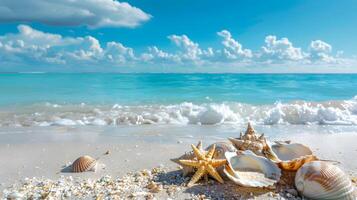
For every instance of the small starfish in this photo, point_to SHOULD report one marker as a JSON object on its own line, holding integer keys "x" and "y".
{"x": 186, "y": 170}
{"x": 205, "y": 164}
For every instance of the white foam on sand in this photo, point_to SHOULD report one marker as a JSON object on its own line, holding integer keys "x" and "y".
{"x": 299, "y": 112}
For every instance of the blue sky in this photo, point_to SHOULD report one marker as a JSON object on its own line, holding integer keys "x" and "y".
{"x": 179, "y": 36}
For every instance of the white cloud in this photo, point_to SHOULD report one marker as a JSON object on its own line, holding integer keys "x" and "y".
{"x": 118, "y": 53}
{"x": 156, "y": 55}
{"x": 277, "y": 50}
{"x": 31, "y": 47}
{"x": 233, "y": 49}
{"x": 320, "y": 51}
{"x": 91, "y": 13}
{"x": 190, "y": 51}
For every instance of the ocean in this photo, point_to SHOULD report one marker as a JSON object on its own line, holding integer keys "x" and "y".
{"x": 100, "y": 99}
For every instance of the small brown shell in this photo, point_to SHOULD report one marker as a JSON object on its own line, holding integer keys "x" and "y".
{"x": 83, "y": 164}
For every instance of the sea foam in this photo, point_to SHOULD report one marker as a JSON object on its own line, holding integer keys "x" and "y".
{"x": 298, "y": 112}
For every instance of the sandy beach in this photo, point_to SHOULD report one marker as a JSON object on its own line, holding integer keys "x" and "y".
{"x": 45, "y": 152}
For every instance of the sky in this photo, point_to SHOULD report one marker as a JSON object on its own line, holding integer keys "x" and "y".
{"x": 270, "y": 36}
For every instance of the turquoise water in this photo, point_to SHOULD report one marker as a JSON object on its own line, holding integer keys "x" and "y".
{"x": 138, "y": 89}
{"x": 203, "y": 99}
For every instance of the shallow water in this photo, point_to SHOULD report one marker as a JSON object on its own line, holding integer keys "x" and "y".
{"x": 184, "y": 99}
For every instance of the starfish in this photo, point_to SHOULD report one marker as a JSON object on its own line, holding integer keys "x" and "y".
{"x": 186, "y": 170}
{"x": 205, "y": 164}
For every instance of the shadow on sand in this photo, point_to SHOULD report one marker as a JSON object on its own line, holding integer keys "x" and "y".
{"x": 211, "y": 189}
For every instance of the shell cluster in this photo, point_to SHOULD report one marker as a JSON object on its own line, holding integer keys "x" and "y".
{"x": 253, "y": 161}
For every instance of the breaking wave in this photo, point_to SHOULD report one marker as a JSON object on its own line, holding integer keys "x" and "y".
{"x": 298, "y": 112}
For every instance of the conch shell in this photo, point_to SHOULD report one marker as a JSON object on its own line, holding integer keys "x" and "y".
{"x": 289, "y": 156}
{"x": 323, "y": 180}
{"x": 250, "y": 141}
{"x": 83, "y": 164}
{"x": 250, "y": 170}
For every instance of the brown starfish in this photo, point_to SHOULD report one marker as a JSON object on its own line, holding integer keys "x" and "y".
{"x": 205, "y": 164}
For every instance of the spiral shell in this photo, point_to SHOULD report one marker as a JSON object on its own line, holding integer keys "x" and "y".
{"x": 83, "y": 164}
{"x": 323, "y": 180}
{"x": 250, "y": 140}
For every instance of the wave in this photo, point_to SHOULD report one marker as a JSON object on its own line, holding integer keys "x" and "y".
{"x": 298, "y": 112}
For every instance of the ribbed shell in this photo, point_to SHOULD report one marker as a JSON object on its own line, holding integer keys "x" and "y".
{"x": 83, "y": 164}
{"x": 323, "y": 180}
{"x": 264, "y": 172}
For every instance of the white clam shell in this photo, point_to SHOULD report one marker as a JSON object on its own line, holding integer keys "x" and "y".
{"x": 323, "y": 180}
{"x": 290, "y": 156}
{"x": 291, "y": 151}
{"x": 249, "y": 170}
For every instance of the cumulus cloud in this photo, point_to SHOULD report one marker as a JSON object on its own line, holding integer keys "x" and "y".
{"x": 280, "y": 50}
{"x": 156, "y": 55}
{"x": 190, "y": 51}
{"x": 232, "y": 48}
{"x": 31, "y": 47}
{"x": 91, "y": 13}
{"x": 320, "y": 51}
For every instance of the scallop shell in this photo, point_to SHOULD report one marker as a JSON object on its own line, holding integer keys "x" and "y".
{"x": 250, "y": 170}
{"x": 289, "y": 156}
{"x": 323, "y": 180}
{"x": 83, "y": 164}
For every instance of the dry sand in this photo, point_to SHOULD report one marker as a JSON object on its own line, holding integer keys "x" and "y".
{"x": 44, "y": 152}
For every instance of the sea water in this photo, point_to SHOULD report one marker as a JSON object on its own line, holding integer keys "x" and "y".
{"x": 97, "y": 99}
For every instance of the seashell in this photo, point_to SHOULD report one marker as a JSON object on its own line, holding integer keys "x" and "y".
{"x": 250, "y": 170}
{"x": 83, "y": 164}
{"x": 250, "y": 141}
{"x": 221, "y": 149}
{"x": 289, "y": 156}
{"x": 323, "y": 180}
